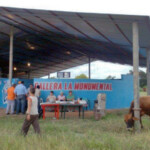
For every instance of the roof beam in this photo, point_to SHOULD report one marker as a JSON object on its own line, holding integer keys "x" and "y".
{"x": 101, "y": 34}
{"x": 119, "y": 29}
{"x": 76, "y": 29}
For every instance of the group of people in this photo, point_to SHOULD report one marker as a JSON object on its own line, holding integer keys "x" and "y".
{"x": 30, "y": 98}
{"x": 52, "y": 98}
{"x": 17, "y": 97}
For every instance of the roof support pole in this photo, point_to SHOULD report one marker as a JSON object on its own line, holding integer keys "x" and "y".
{"x": 11, "y": 56}
{"x": 135, "y": 31}
{"x": 89, "y": 68}
{"x": 148, "y": 70}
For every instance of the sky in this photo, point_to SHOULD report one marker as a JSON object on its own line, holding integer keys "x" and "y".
{"x": 133, "y": 7}
{"x": 99, "y": 69}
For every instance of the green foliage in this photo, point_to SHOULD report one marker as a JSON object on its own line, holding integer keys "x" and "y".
{"x": 130, "y": 72}
{"x": 142, "y": 76}
{"x": 52, "y": 77}
{"x": 81, "y": 76}
{"x": 143, "y": 83}
{"x": 110, "y": 77}
{"x": 74, "y": 134}
{"x": 143, "y": 79}
{"x": 143, "y": 93}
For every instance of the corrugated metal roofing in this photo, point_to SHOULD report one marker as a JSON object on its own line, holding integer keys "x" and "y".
{"x": 52, "y": 41}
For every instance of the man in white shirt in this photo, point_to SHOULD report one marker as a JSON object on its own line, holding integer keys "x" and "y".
{"x": 37, "y": 91}
{"x": 51, "y": 98}
{"x": 38, "y": 94}
{"x": 61, "y": 97}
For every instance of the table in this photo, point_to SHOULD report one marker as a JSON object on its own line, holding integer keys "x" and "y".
{"x": 56, "y": 108}
{"x": 64, "y": 107}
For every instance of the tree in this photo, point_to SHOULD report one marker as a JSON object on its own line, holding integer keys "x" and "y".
{"x": 130, "y": 72}
{"x": 81, "y": 76}
{"x": 142, "y": 77}
{"x": 110, "y": 77}
{"x": 52, "y": 77}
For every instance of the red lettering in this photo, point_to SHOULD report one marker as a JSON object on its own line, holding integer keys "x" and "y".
{"x": 60, "y": 86}
{"x": 81, "y": 86}
{"x": 55, "y": 86}
{"x": 35, "y": 85}
{"x": 50, "y": 86}
{"x": 89, "y": 86}
{"x": 41, "y": 86}
{"x": 70, "y": 86}
{"x": 110, "y": 87}
{"x": 107, "y": 86}
{"x": 85, "y": 86}
{"x": 76, "y": 86}
{"x": 104, "y": 86}
{"x": 46, "y": 86}
{"x": 93, "y": 86}
{"x": 101, "y": 86}
{"x": 65, "y": 86}
{"x": 96, "y": 86}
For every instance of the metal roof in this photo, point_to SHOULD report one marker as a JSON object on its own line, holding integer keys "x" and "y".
{"x": 52, "y": 41}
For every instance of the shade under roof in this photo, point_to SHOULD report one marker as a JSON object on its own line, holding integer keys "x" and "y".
{"x": 53, "y": 41}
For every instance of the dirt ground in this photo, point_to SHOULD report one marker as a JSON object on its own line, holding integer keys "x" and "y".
{"x": 88, "y": 114}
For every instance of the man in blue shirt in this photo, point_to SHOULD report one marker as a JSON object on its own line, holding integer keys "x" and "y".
{"x": 21, "y": 93}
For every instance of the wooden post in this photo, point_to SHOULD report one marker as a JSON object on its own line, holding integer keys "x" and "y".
{"x": 136, "y": 74}
{"x": 11, "y": 56}
{"x": 148, "y": 71}
{"x": 89, "y": 68}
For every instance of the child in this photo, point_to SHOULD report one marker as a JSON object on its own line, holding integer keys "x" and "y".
{"x": 32, "y": 114}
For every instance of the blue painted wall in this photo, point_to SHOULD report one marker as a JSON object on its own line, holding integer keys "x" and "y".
{"x": 119, "y": 97}
{"x": 4, "y": 84}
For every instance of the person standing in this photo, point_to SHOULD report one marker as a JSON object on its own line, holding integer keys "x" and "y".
{"x": 37, "y": 91}
{"x": 32, "y": 114}
{"x": 10, "y": 99}
{"x": 21, "y": 93}
{"x": 37, "y": 94}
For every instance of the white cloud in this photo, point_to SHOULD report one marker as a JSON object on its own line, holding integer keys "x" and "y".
{"x": 134, "y": 7}
{"x": 100, "y": 70}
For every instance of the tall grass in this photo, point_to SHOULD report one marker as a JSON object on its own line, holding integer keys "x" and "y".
{"x": 74, "y": 134}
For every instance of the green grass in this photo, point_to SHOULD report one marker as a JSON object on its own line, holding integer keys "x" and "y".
{"x": 142, "y": 93}
{"x": 74, "y": 134}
